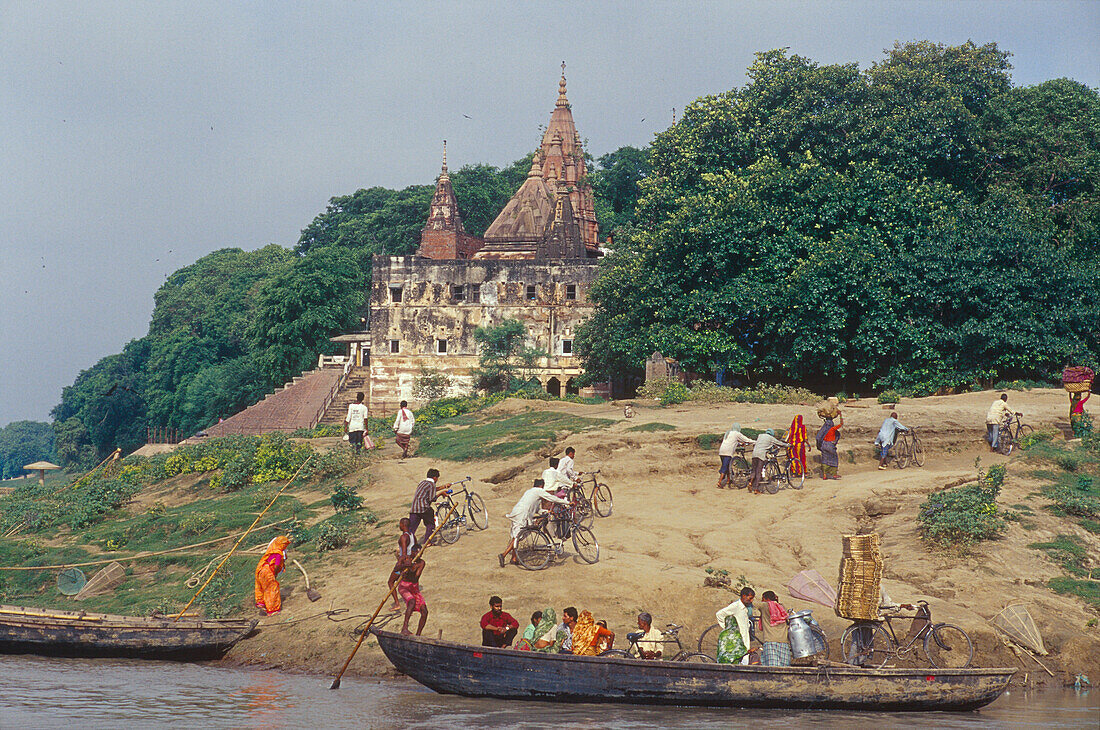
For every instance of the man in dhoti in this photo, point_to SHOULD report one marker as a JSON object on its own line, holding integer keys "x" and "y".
{"x": 533, "y": 501}
{"x": 403, "y": 428}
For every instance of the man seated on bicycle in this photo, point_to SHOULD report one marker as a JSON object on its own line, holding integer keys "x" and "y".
{"x": 652, "y": 641}
{"x": 565, "y": 465}
{"x": 534, "y": 500}
{"x": 887, "y": 435}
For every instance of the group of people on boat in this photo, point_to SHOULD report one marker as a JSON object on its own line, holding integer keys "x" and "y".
{"x": 744, "y": 621}
{"x": 578, "y": 632}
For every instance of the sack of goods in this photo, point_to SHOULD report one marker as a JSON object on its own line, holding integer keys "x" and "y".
{"x": 1077, "y": 379}
{"x": 827, "y": 409}
{"x": 860, "y": 584}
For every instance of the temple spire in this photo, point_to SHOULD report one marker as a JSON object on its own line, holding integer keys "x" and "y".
{"x": 562, "y": 100}
{"x": 444, "y": 175}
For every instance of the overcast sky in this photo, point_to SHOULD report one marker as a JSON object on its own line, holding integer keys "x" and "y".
{"x": 136, "y": 137}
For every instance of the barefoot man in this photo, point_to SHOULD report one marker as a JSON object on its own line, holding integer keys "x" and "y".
{"x": 409, "y": 588}
{"x": 406, "y": 548}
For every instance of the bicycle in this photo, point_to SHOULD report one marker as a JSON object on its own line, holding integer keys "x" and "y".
{"x": 1012, "y": 431}
{"x": 669, "y": 636}
{"x": 535, "y": 546}
{"x": 740, "y": 471}
{"x": 775, "y": 475}
{"x": 868, "y": 644}
{"x": 907, "y": 449}
{"x": 708, "y": 640}
{"x": 598, "y": 502}
{"x": 471, "y": 509}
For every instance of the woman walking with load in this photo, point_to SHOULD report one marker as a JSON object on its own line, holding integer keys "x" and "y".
{"x": 1077, "y": 412}
{"x": 270, "y": 565}
{"x": 827, "y": 439}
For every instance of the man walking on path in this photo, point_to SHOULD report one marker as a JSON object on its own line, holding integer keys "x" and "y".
{"x": 355, "y": 423}
{"x": 421, "y": 509}
{"x": 728, "y": 449}
{"x": 403, "y": 428}
{"x": 886, "y": 436}
{"x": 993, "y": 420}
{"x": 498, "y": 628}
{"x": 534, "y": 499}
{"x": 764, "y": 442}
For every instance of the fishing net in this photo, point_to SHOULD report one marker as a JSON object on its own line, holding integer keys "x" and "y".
{"x": 809, "y": 585}
{"x": 1017, "y": 624}
{"x": 102, "y": 582}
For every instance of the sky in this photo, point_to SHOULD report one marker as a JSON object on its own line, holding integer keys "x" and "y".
{"x": 136, "y": 137}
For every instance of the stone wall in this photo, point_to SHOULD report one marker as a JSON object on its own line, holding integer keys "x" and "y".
{"x": 424, "y": 313}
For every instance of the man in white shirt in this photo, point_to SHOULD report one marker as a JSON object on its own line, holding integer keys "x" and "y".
{"x": 523, "y": 514}
{"x": 355, "y": 423}
{"x": 764, "y": 442}
{"x": 728, "y": 449}
{"x": 652, "y": 642}
{"x": 403, "y": 428}
{"x": 739, "y": 609}
{"x": 553, "y": 477}
{"x": 565, "y": 466}
{"x": 993, "y": 420}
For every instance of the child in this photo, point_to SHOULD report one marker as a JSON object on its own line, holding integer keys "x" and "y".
{"x": 409, "y": 588}
{"x": 529, "y": 632}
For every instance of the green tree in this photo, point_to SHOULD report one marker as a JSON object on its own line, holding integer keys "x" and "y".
{"x": 22, "y": 443}
{"x": 71, "y": 444}
{"x": 503, "y": 356}
{"x": 615, "y": 186}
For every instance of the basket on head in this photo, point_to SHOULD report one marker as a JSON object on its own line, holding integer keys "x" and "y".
{"x": 1078, "y": 387}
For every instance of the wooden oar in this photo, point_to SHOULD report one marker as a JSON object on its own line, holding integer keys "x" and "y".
{"x": 389, "y": 593}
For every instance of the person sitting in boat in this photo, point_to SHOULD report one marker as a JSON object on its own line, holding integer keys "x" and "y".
{"x": 528, "y": 639}
{"x": 565, "y": 629}
{"x": 409, "y": 588}
{"x": 271, "y": 564}
{"x": 735, "y": 640}
{"x": 775, "y": 650}
{"x": 652, "y": 641}
{"x": 548, "y": 639}
{"x": 497, "y": 627}
{"x": 589, "y": 637}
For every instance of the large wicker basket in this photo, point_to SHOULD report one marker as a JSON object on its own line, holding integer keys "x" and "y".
{"x": 1078, "y": 387}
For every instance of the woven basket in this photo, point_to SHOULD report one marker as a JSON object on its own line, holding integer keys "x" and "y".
{"x": 1078, "y": 387}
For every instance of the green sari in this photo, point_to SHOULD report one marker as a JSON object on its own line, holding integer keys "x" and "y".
{"x": 546, "y": 625}
{"x": 731, "y": 648}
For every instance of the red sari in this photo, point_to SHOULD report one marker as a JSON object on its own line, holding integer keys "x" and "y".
{"x": 796, "y": 452}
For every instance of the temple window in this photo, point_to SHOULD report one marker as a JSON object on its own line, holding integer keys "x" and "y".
{"x": 475, "y": 292}
{"x": 395, "y": 347}
{"x": 531, "y": 295}
{"x": 567, "y": 347}
{"x": 571, "y": 291}
{"x": 441, "y": 347}
{"x": 395, "y": 294}
{"x": 458, "y": 292}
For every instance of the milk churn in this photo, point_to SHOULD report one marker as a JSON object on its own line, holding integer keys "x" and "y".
{"x": 803, "y": 640}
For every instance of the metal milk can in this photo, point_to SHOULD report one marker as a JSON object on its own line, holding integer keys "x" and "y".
{"x": 803, "y": 641}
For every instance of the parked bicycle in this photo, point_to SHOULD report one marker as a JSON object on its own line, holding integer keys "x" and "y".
{"x": 1013, "y": 429}
{"x": 907, "y": 449}
{"x": 597, "y": 501}
{"x": 669, "y": 636}
{"x": 873, "y": 643}
{"x": 471, "y": 511}
{"x": 539, "y": 543}
{"x": 708, "y": 640}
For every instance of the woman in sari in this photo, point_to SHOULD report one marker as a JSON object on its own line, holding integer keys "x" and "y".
{"x": 776, "y": 651}
{"x": 827, "y": 439}
{"x": 547, "y": 637}
{"x": 587, "y": 635}
{"x": 1077, "y": 412}
{"x": 731, "y": 646}
{"x": 270, "y": 565}
{"x": 796, "y": 452}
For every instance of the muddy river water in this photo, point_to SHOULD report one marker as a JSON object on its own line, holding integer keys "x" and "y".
{"x": 75, "y": 694}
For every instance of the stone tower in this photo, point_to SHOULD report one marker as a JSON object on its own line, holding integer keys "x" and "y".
{"x": 443, "y": 236}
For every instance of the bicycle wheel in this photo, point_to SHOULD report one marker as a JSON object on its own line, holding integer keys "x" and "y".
{"x": 918, "y": 452}
{"x": 478, "y": 514}
{"x": 772, "y": 475}
{"x": 615, "y": 652}
{"x": 695, "y": 657}
{"x": 901, "y": 453}
{"x": 1022, "y": 433}
{"x": 533, "y": 549}
{"x": 948, "y": 647}
{"x": 820, "y": 640}
{"x": 795, "y": 481}
{"x": 603, "y": 500}
{"x": 866, "y": 644}
{"x": 708, "y": 640}
{"x": 450, "y": 530}
{"x": 1007, "y": 444}
{"x": 584, "y": 542}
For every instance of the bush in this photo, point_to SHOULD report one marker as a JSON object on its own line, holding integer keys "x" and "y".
{"x": 889, "y": 396}
{"x": 964, "y": 515}
{"x": 321, "y": 430}
{"x": 1082, "y": 426}
{"x": 198, "y": 523}
{"x": 330, "y": 536}
{"x": 344, "y": 499}
{"x": 431, "y": 385}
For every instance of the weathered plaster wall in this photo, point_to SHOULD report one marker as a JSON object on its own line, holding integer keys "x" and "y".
{"x": 429, "y": 311}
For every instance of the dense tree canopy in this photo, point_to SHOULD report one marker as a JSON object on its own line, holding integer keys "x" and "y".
{"x": 853, "y": 229}
{"x": 22, "y": 443}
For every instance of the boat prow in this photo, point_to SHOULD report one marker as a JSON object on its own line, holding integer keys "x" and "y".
{"x": 478, "y": 671}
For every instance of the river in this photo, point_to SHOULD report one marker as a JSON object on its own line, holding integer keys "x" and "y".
{"x": 75, "y": 694}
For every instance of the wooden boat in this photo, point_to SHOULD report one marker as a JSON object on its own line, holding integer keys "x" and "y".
{"x": 477, "y": 671}
{"x": 79, "y": 633}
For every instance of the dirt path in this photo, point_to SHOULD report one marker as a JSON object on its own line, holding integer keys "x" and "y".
{"x": 670, "y": 522}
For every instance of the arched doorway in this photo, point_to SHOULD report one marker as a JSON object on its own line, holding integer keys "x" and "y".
{"x": 571, "y": 387}
{"x": 553, "y": 387}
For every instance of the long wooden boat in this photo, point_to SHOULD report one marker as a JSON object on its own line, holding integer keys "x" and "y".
{"x": 78, "y": 633}
{"x": 477, "y": 671}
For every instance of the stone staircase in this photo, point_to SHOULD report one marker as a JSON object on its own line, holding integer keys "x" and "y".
{"x": 338, "y": 409}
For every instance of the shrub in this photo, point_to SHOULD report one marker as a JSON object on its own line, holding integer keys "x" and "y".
{"x": 430, "y": 385}
{"x": 344, "y": 499}
{"x": 889, "y": 396}
{"x": 1082, "y": 426}
{"x": 709, "y": 441}
{"x": 964, "y": 515}
{"x": 197, "y": 523}
{"x": 321, "y": 430}
{"x": 330, "y": 536}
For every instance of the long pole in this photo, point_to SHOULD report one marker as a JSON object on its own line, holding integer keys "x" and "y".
{"x": 366, "y": 629}
{"x": 238, "y": 543}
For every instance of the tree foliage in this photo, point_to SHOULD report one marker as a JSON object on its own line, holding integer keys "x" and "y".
{"x": 22, "y": 443}
{"x": 844, "y": 229}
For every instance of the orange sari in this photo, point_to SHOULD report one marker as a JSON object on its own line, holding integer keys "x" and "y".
{"x": 270, "y": 565}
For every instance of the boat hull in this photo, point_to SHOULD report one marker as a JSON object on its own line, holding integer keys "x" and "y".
{"x": 81, "y": 634}
{"x": 472, "y": 671}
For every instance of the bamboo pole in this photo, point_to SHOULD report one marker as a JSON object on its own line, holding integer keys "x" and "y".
{"x": 366, "y": 629}
{"x": 238, "y": 543}
{"x": 35, "y": 614}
